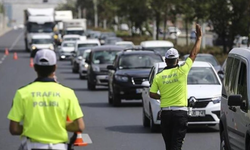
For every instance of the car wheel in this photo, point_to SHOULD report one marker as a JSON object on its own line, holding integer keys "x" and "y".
{"x": 91, "y": 86}
{"x": 110, "y": 96}
{"x": 116, "y": 99}
{"x": 146, "y": 121}
{"x": 223, "y": 145}
{"x": 153, "y": 126}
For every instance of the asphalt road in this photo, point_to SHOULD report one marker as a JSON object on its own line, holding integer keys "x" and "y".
{"x": 108, "y": 127}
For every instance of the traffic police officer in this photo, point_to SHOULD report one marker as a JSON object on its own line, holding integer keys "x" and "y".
{"x": 172, "y": 85}
{"x": 43, "y": 106}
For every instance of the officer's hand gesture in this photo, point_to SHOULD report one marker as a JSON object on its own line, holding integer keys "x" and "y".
{"x": 198, "y": 31}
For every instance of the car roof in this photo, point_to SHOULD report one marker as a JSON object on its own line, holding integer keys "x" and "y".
{"x": 243, "y": 52}
{"x": 87, "y": 41}
{"x": 156, "y": 43}
{"x": 200, "y": 54}
{"x": 195, "y": 64}
{"x": 124, "y": 42}
{"x": 71, "y": 36}
{"x": 40, "y": 36}
{"x": 68, "y": 42}
{"x": 108, "y": 47}
{"x": 130, "y": 52}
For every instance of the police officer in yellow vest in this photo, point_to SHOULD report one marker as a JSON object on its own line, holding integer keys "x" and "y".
{"x": 172, "y": 85}
{"x": 40, "y": 109}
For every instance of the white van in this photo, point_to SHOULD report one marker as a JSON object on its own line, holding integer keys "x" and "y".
{"x": 235, "y": 101}
{"x": 159, "y": 46}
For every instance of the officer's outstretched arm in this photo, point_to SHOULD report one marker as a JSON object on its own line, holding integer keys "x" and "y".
{"x": 76, "y": 125}
{"x": 197, "y": 44}
{"x": 15, "y": 128}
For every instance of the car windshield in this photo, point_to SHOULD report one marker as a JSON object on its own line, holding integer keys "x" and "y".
{"x": 209, "y": 59}
{"x": 201, "y": 75}
{"x": 104, "y": 57}
{"x": 71, "y": 39}
{"x": 138, "y": 61}
{"x": 87, "y": 45}
{"x": 76, "y": 32}
{"x": 85, "y": 54}
{"x": 68, "y": 45}
{"x": 41, "y": 41}
{"x": 81, "y": 51}
{"x": 160, "y": 50}
{"x": 126, "y": 45}
{"x": 244, "y": 41}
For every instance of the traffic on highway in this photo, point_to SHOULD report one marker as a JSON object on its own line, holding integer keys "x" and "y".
{"x": 67, "y": 85}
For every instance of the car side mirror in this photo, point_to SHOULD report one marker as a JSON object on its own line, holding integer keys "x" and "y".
{"x": 145, "y": 84}
{"x": 111, "y": 67}
{"x": 79, "y": 57}
{"x": 235, "y": 100}
{"x": 221, "y": 72}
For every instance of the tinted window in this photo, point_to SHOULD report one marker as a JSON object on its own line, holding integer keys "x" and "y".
{"x": 233, "y": 76}
{"x": 138, "y": 61}
{"x": 87, "y": 45}
{"x": 75, "y": 32}
{"x": 151, "y": 75}
{"x": 242, "y": 85}
{"x": 104, "y": 57}
{"x": 41, "y": 41}
{"x": 228, "y": 72}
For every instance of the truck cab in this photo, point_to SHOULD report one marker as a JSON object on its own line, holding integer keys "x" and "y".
{"x": 75, "y": 26}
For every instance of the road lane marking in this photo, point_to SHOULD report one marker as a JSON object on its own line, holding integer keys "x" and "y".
{"x": 12, "y": 46}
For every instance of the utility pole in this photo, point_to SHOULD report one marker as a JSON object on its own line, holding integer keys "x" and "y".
{"x": 96, "y": 13}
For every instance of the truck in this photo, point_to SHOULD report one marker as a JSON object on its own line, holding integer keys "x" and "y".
{"x": 61, "y": 16}
{"x": 38, "y": 20}
{"x": 75, "y": 26}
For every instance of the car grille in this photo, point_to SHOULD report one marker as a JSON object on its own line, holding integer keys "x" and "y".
{"x": 137, "y": 80}
{"x": 201, "y": 103}
{"x": 198, "y": 119}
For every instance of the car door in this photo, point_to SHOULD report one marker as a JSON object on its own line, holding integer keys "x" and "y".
{"x": 241, "y": 115}
{"x": 232, "y": 70}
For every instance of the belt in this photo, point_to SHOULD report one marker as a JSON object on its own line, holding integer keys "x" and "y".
{"x": 175, "y": 108}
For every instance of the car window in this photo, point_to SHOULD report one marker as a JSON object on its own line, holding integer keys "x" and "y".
{"x": 85, "y": 54}
{"x": 242, "y": 86}
{"x": 209, "y": 59}
{"x": 232, "y": 82}
{"x": 228, "y": 73}
{"x": 87, "y": 45}
{"x": 160, "y": 50}
{"x": 104, "y": 57}
{"x": 202, "y": 75}
{"x": 68, "y": 45}
{"x": 244, "y": 41}
{"x": 71, "y": 39}
{"x": 41, "y": 41}
{"x": 138, "y": 61}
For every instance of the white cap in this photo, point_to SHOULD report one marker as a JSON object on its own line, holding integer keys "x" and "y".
{"x": 45, "y": 57}
{"x": 171, "y": 54}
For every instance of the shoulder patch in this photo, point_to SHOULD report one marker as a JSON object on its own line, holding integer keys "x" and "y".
{"x": 25, "y": 85}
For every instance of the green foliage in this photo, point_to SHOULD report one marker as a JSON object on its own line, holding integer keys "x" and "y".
{"x": 70, "y": 5}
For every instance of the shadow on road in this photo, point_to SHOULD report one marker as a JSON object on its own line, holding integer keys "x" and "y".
{"x": 106, "y": 104}
{"x": 202, "y": 129}
{"x": 99, "y": 105}
{"x": 130, "y": 129}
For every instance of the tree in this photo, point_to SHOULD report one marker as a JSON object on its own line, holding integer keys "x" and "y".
{"x": 70, "y": 5}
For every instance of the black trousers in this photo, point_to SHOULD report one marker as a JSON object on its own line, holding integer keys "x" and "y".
{"x": 174, "y": 128}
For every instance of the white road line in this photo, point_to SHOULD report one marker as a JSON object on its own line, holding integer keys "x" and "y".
{"x": 86, "y": 139}
{"x": 12, "y": 46}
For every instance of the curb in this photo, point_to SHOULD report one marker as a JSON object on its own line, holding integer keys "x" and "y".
{"x": 5, "y": 31}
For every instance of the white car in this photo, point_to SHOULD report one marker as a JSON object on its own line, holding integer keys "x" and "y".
{"x": 87, "y": 43}
{"x": 127, "y": 44}
{"x": 41, "y": 41}
{"x": 71, "y": 37}
{"x": 66, "y": 49}
{"x": 83, "y": 66}
{"x": 157, "y": 45}
{"x": 203, "y": 84}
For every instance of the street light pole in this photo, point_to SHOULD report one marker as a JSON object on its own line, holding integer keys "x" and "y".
{"x": 96, "y": 13}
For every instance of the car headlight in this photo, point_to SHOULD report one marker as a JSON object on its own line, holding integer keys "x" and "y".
{"x": 121, "y": 78}
{"x": 33, "y": 47}
{"x": 86, "y": 65}
{"x": 96, "y": 69}
{"x": 216, "y": 100}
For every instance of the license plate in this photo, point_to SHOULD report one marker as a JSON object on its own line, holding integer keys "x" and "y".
{"x": 198, "y": 113}
{"x": 138, "y": 90}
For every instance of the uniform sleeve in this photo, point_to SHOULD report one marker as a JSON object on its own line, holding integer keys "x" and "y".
{"x": 17, "y": 111}
{"x": 186, "y": 66}
{"x": 154, "y": 87}
{"x": 74, "y": 110}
